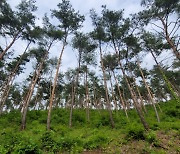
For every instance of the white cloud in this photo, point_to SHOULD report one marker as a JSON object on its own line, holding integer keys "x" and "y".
{"x": 44, "y": 6}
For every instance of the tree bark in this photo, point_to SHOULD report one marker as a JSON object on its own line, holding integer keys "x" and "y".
{"x": 87, "y": 95}
{"x": 31, "y": 90}
{"x": 149, "y": 91}
{"x": 72, "y": 103}
{"x": 112, "y": 91}
{"x": 74, "y": 91}
{"x": 166, "y": 79}
{"x": 9, "y": 46}
{"x": 54, "y": 87}
{"x": 106, "y": 89}
{"x": 120, "y": 95}
{"x": 10, "y": 80}
{"x": 23, "y": 122}
{"x": 140, "y": 114}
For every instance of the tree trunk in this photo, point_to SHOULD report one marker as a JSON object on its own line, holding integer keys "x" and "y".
{"x": 106, "y": 89}
{"x": 139, "y": 94}
{"x": 54, "y": 86}
{"x": 120, "y": 95}
{"x": 72, "y": 103}
{"x": 9, "y": 46}
{"x": 140, "y": 114}
{"x": 74, "y": 91}
{"x": 166, "y": 79}
{"x": 23, "y": 122}
{"x": 31, "y": 90}
{"x": 149, "y": 91}
{"x": 87, "y": 95}
{"x": 10, "y": 80}
{"x": 112, "y": 91}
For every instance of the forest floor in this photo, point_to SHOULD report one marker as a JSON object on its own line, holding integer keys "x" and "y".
{"x": 95, "y": 136}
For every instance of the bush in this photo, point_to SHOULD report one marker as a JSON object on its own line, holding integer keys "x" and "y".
{"x": 173, "y": 113}
{"x": 150, "y": 136}
{"x": 103, "y": 120}
{"x": 14, "y": 117}
{"x": 10, "y": 140}
{"x": 135, "y": 132}
{"x": 69, "y": 144}
{"x": 3, "y": 150}
{"x": 27, "y": 147}
{"x": 47, "y": 142}
{"x": 78, "y": 118}
{"x": 95, "y": 142}
{"x": 33, "y": 115}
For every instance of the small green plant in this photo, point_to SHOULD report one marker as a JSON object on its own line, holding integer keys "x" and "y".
{"x": 27, "y": 147}
{"x": 69, "y": 144}
{"x": 3, "y": 150}
{"x": 96, "y": 141}
{"x": 47, "y": 142}
{"x": 135, "y": 132}
{"x": 10, "y": 140}
{"x": 150, "y": 136}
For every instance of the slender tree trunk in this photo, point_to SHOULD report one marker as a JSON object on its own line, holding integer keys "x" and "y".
{"x": 135, "y": 100}
{"x": 87, "y": 95}
{"x": 126, "y": 103}
{"x": 9, "y": 46}
{"x": 74, "y": 91}
{"x": 136, "y": 87}
{"x": 10, "y": 80}
{"x": 31, "y": 90}
{"x": 140, "y": 114}
{"x": 28, "y": 92}
{"x": 72, "y": 103}
{"x": 149, "y": 91}
{"x": 36, "y": 97}
{"x": 23, "y": 122}
{"x": 139, "y": 94}
{"x": 166, "y": 79}
{"x": 120, "y": 95}
{"x": 106, "y": 88}
{"x": 54, "y": 87}
{"x": 112, "y": 91}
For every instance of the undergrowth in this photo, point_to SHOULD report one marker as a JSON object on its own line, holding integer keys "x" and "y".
{"x": 96, "y": 134}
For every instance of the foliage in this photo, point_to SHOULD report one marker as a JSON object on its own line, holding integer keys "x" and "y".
{"x": 97, "y": 134}
{"x": 135, "y": 132}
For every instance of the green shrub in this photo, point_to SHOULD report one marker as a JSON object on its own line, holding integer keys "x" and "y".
{"x": 27, "y": 147}
{"x": 68, "y": 144}
{"x": 62, "y": 130}
{"x": 10, "y": 140}
{"x": 14, "y": 117}
{"x": 150, "y": 136}
{"x": 3, "y": 150}
{"x": 96, "y": 141}
{"x": 103, "y": 120}
{"x": 78, "y": 118}
{"x": 173, "y": 113}
{"x": 33, "y": 115}
{"x": 135, "y": 132}
{"x": 47, "y": 142}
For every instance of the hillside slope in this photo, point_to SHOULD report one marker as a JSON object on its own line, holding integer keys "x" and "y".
{"x": 95, "y": 136}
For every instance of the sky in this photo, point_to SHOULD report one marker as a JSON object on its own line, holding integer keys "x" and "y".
{"x": 83, "y": 6}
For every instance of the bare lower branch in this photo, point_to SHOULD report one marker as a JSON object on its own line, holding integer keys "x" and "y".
{"x": 157, "y": 26}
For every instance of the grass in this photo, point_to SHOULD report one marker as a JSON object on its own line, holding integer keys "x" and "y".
{"x": 126, "y": 137}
